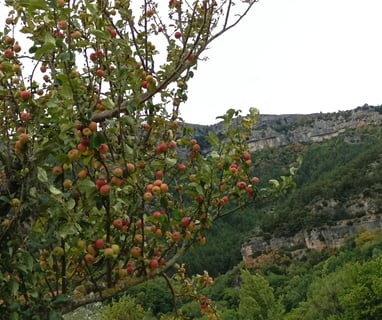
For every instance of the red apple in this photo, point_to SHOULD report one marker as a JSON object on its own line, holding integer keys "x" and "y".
{"x": 199, "y": 199}
{"x": 73, "y": 154}
{"x": 192, "y": 154}
{"x": 178, "y": 35}
{"x": 16, "y": 48}
{"x": 144, "y": 84}
{"x": 148, "y": 196}
{"x": 82, "y": 174}
{"x": 81, "y": 147}
{"x": 117, "y": 181}
{"x": 161, "y": 148}
{"x": 76, "y": 34}
{"x": 130, "y": 167}
{"x": 157, "y": 182}
{"x": 159, "y": 174}
{"x": 241, "y": 185}
{"x": 113, "y": 33}
{"x": 196, "y": 147}
{"x": 185, "y": 222}
{"x": 156, "y": 190}
{"x": 8, "y": 53}
{"x": 63, "y": 24}
{"x": 164, "y": 188}
{"x": 57, "y": 170}
{"x": 233, "y": 168}
{"x": 104, "y": 190}
{"x": 89, "y": 259}
{"x": 25, "y": 116}
{"x": 118, "y": 223}
{"x": 156, "y": 214}
{"x": 130, "y": 267}
{"x": 98, "y": 244}
{"x": 154, "y": 264}
{"x": 136, "y": 252}
{"x": 182, "y": 167}
{"x": 172, "y": 145}
{"x": 93, "y": 126}
{"x": 25, "y": 94}
{"x": 255, "y": 180}
{"x": 8, "y": 40}
{"x": 118, "y": 172}
{"x": 176, "y": 236}
{"x": 100, "y": 183}
{"x": 103, "y": 149}
{"x": 100, "y": 73}
{"x": 247, "y": 156}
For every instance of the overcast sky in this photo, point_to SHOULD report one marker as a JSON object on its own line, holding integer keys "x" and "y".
{"x": 293, "y": 56}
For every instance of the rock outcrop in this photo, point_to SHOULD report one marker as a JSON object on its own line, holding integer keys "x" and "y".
{"x": 282, "y": 130}
{"x": 318, "y": 239}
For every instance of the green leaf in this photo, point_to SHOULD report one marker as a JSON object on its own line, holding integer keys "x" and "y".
{"x": 108, "y": 103}
{"x": 66, "y": 91}
{"x": 101, "y": 34}
{"x": 177, "y": 215}
{"x": 54, "y": 190}
{"x": 66, "y": 56}
{"x": 85, "y": 185}
{"x": 213, "y": 140}
{"x": 274, "y": 183}
{"x": 41, "y": 175}
{"x": 170, "y": 161}
{"x": 67, "y": 230}
{"x": 34, "y": 4}
{"x": 46, "y": 47}
{"x": 14, "y": 287}
{"x": 53, "y": 315}
{"x": 60, "y": 298}
{"x": 96, "y": 140}
{"x": 164, "y": 202}
{"x": 197, "y": 186}
{"x": 71, "y": 204}
{"x": 129, "y": 150}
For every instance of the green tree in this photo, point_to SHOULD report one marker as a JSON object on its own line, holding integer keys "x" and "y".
{"x": 352, "y": 291}
{"x": 102, "y": 185}
{"x": 256, "y": 298}
{"x": 125, "y": 309}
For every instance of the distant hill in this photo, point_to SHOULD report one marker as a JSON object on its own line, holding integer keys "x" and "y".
{"x": 338, "y": 186}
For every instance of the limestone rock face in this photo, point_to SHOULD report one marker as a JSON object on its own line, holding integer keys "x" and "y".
{"x": 318, "y": 239}
{"x": 282, "y": 130}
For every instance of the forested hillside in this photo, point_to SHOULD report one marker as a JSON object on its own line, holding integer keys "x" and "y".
{"x": 339, "y": 182}
{"x": 343, "y": 171}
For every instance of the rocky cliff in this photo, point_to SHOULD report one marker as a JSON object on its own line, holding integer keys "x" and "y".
{"x": 282, "y": 130}
{"x": 318, "y": 239}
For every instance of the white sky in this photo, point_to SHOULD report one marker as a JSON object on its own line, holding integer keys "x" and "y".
{"x": 293, "y": 56}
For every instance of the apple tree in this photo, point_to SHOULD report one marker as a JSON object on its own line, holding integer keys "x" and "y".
{"x": 102, "y": 184}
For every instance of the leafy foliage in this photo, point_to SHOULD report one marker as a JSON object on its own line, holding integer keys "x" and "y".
{"x": 103, "y": 187}
{"x": 256, "y": 299}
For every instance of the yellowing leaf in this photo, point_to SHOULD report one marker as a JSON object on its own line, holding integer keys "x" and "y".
{"x": 41, "y": 175}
